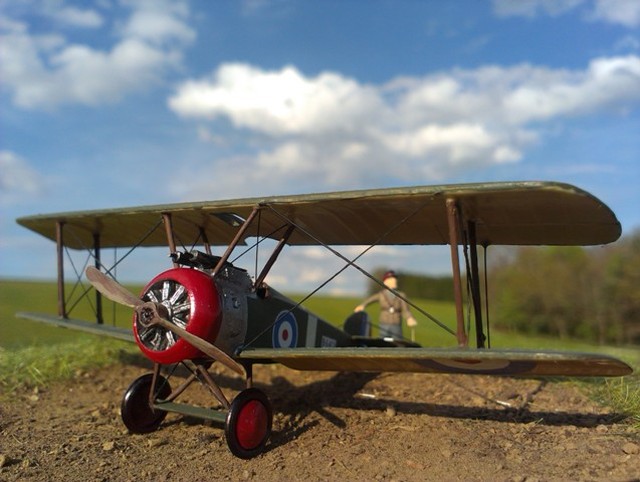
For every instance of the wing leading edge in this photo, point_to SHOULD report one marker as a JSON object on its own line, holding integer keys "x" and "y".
{"x": 443, "y": 360}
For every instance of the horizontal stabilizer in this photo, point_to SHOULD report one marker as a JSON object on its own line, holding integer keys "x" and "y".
{"x": 443, "y": 360}
{"x": 94, "y": 328}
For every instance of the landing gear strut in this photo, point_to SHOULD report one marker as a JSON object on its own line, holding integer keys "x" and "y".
{"x": 247, "y": 420}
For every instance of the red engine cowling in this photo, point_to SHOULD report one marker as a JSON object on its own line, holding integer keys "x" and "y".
{"x": 193, "y": 302}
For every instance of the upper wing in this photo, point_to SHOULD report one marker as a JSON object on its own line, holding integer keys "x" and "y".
{"x": 443, "y": 360}
{"x": 513, "y": 213}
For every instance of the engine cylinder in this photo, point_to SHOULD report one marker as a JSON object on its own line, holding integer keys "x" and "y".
{"x": 192, "y": 301}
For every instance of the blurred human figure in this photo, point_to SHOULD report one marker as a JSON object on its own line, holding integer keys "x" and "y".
{"x": 393, "y": 308}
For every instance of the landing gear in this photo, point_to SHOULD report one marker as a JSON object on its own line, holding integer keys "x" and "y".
{"x": 137, "y": 413}
{"x": 247, "y": 420}
{"x": 248, "y": 423}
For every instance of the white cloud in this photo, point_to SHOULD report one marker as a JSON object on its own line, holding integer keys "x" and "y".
{"x": 77, "y": 17}
{"x": 333, "y": 130}
{"x": 606, "y": 83}
{"x": 458, "y": 143}
{"x": 276, "y": 102}
{"x": 18, "y": 179}
{"x": 623, "y": 12}
{"x": 158, "y": 21}
{"x": 59, "y": 13}
{"x": 619, "y": 12}
{"x": 533, "y": 8}
{"x": 43, "y": 70}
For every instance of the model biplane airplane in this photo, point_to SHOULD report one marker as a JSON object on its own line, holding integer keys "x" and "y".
{"x": 206, "y": 309}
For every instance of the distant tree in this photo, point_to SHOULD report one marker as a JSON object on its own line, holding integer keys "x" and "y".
{"x": 621, "y": 291}
{"x": 544, "y": 290}
{"x": 586, "y": 293}
{"x": 590, "y": 293}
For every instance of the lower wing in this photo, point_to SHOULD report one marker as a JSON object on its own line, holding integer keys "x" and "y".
{"x": 426, "y": 360}
{"x": 125, "y": 334}
{"x": 443, "y": 360}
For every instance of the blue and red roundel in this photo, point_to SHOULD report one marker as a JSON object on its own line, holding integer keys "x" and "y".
{"x": 285, "y": 330}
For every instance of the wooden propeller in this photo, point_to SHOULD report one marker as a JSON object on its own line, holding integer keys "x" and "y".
{"x": 150, "y": 313}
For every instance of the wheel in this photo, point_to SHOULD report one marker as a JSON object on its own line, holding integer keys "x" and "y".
{"x": 135, "y": 410}
{"x": 248, "y": 424}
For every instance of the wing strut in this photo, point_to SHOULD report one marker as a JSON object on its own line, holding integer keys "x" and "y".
{"x": 238, "y": 237}
{"x": 453, "y": 218}
{"x": 62, "y": 309}
{"x": 168, "y": 227}
{"x": 205, "y": 240}
{"x": 97, "y": 264}
{"x": 475, "y": 283}
{"x": 274, "y": 256}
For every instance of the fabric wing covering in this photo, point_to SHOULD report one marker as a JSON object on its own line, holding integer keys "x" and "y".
{"x": 512, "y": 213}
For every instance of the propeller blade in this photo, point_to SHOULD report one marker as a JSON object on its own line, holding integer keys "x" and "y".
{"x": 149, "y": 314}
{"x": 111, "y": 288}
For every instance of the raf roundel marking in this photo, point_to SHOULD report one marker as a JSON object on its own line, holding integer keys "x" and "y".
{"x": 285, "y": 330}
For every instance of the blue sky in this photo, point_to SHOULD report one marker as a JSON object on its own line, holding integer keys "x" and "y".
{"x": 121, "y": 102}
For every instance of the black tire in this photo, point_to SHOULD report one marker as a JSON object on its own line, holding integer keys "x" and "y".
{"x": 137, "y": 414}
{"x": 248, "y": 424}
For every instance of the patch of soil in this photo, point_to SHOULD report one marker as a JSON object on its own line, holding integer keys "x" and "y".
{"x": 327, "y": 426}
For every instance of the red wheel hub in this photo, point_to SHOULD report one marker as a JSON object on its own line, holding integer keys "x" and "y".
{"x": 252, "y": 425}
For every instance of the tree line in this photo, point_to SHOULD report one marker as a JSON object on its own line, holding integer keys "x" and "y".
{"x": 588, "y": 293}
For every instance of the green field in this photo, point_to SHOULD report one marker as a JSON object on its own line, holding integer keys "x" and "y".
{"x": 41, "y": 297}
{"x": 33, "y": 354}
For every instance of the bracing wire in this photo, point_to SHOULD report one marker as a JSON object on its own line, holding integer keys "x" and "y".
{"x": 351, "y": 263}
{"x": 111, "y": 271}
{"x": 470, "y": 280}
{"x": 363, "y": 271}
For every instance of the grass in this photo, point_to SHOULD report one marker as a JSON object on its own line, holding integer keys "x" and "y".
{"x": 32, "y": 354}
{"x": 37, "y": 366}
{"x": 621, "y": 394}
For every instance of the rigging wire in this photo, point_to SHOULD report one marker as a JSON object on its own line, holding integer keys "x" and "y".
{"x": 350, "y": 263}
{"x": 469, "y": 278}
{"x": 92, "y": 255}
{"x": 255, "y": 244}
{"x": 363, "y": 271}
{"x": 78, "y": 283}
{"x": 132, "y": 249}
{"x": 113, "y": 303}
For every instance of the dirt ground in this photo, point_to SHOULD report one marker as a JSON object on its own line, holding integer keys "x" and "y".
{"x": 327, "y": 426}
